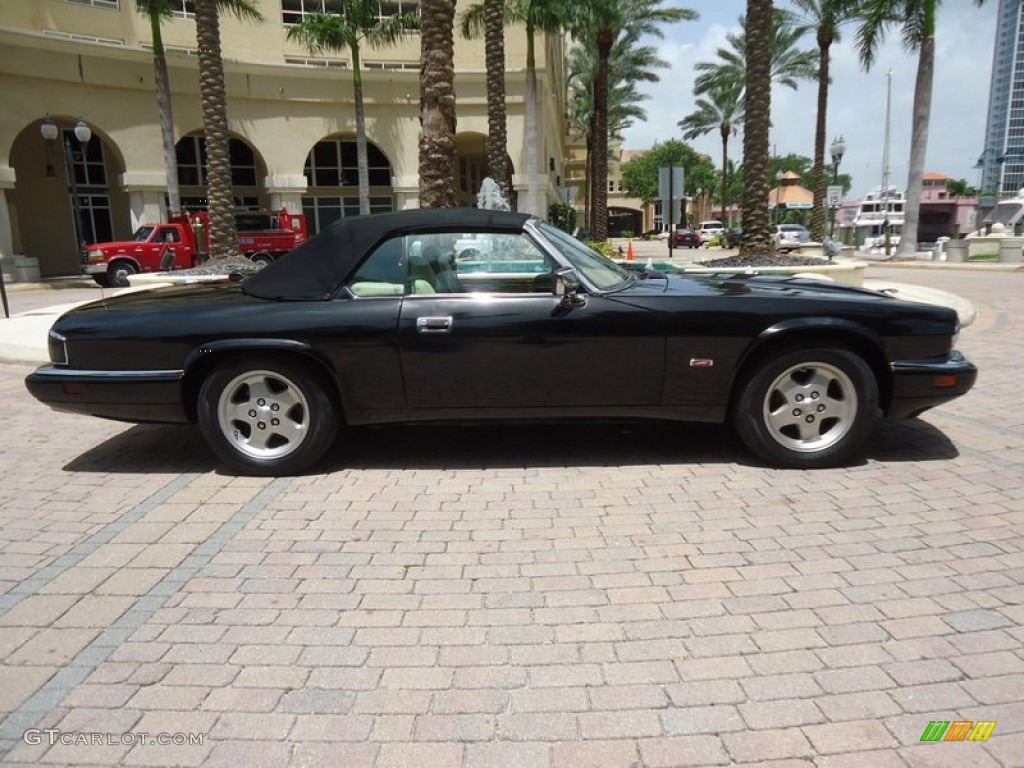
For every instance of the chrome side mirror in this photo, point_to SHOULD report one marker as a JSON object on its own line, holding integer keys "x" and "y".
{"x": 567, "y": 288}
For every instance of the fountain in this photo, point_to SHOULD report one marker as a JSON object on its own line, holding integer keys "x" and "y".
{"x": 490, "y": 197}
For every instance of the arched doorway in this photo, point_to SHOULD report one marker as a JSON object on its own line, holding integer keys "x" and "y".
{"x": 63, "y": 196}
{"x": 247, "y": 168}
{"x": 332, "y": 179}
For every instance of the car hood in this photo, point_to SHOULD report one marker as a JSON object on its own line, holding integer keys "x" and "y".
{"x": 753, "y": 286}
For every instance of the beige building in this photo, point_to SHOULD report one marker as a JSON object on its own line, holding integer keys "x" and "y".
{"x": 291, "y": 117}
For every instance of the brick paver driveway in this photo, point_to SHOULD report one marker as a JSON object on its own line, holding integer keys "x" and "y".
{"x": 532, "y": 596}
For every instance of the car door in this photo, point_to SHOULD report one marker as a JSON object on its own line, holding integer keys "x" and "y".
{"x": 494, "y": 335}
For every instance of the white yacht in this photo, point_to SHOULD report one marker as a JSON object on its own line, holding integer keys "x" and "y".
{"x": 880, "y": 206}
{"x": 1009, "y": 213}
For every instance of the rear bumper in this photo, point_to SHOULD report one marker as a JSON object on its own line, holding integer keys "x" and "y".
{"x": 922, "y": 384}
{"x": 135, "y": 396}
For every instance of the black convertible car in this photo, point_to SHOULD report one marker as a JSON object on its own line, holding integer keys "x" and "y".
{"x": 478, "y": 315}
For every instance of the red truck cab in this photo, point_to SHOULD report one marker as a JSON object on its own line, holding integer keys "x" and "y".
{"x": 183, "y": 241}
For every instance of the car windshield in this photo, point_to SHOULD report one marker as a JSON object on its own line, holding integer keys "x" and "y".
{"x": 606, "y": 275}
{"x": 142, "y": 234}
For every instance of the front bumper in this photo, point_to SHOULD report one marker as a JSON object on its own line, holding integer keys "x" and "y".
{"x": 94, "y": 268}
{"x": 918, "y": 385}
{"x": 135, "y": 396}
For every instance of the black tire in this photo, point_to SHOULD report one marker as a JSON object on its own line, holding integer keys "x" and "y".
{"x": 281, "y": 402}
{"x": 807, "y": 408}
{"x": 262, "y": 259}
{"x": 118, "y": 272}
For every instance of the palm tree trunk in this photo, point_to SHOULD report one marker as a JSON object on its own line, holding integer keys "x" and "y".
{"x": 223, "y": 233}
{"x": 818, "y": 170}
{"x": 533, "y": 204}
{"x": 757, "y": 230}
{"x": 726, "y": 130}
{"x": 497, "y": 131}
{"x": 162, "y": 85}
{"x": 362, "y": 163}
{"x": 437, "y": 104}
{"x": 605, "y": 38}
{"x": 919, "y": 140}
{"x": 588, "y": 192}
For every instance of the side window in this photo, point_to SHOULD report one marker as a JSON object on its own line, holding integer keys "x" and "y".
{"x": 383, "y": 273}
{"x": 494, "y": 262}
{"x": 454, "y": 262}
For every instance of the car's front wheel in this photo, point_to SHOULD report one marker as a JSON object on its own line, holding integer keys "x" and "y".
{"x": 267, "y": 417}
{"x": 807, "y": 408}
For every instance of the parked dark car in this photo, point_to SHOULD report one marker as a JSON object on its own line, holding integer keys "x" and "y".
{"x": 686, "y": 238}
{"x": 374, "y": 321}
{"x": 734, "y": 237}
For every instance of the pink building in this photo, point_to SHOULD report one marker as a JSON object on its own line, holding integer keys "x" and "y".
{"x": 941, "y": 214}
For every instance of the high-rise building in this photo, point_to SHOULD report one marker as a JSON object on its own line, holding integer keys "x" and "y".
{"x": 1002, "y": 158}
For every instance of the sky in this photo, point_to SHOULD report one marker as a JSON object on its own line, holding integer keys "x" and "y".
{"x": 965, "y": 37}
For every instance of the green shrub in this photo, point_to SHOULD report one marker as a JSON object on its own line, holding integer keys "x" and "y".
{"x": 605, "y": 248}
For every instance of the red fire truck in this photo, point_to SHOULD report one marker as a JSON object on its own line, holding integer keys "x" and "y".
{"x": 184, "y": 240}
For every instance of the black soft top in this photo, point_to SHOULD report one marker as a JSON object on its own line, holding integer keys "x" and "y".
{"x": 316, "y": 269}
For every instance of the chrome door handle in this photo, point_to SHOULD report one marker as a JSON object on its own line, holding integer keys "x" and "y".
{"x": 434, "y": 324}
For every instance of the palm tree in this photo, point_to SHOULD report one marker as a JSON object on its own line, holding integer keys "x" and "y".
{"x": 721, "y": 108}
{"x": 599, "y": 23}
{"x": 158, "y": 10}
{"x": 629, "y": 64}
{"x": 825, "y": 16}
{"x": 789, "y": 64}
{"x": 212, "y": 94}
{"x": 757, "y": 232}
{"x": 490, "y": 17}
{"x": 355, "y": 23}
{"x": 437, "y": 103}
{"x": 917, "y": 18}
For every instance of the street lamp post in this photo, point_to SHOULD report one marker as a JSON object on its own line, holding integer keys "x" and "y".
{"x": 83, "y": 134}
{"x": 837, "y": 149}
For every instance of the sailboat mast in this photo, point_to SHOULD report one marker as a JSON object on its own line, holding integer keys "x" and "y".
{"x": 885, "y": 144}
{"x": 885, "y": 164}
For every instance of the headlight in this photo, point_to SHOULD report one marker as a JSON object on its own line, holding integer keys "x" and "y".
{"x": 57, "y": 346}
{"x": 95, "y": 255}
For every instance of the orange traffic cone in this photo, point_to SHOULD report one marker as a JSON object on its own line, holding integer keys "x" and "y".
{"x": 629, "y": 251}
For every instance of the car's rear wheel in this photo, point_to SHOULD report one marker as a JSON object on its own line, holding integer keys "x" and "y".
{"x": 267, "y": 417}
{"x": 807, "y": 408}
{"x": 261, "y": 259}
{"x": 118, "y": 273}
